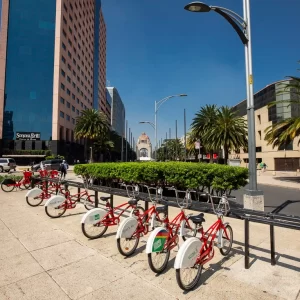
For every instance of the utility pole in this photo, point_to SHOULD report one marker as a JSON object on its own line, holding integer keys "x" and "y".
{"x": 126, "y": 137}
{"x": 184, "y": 135}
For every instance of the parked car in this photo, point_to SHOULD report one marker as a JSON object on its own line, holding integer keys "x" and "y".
{"x": 7, "y": 164}
{"x": 53, "y": 164}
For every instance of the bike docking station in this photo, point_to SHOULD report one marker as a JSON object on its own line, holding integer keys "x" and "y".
{"x": 158, "y": 236}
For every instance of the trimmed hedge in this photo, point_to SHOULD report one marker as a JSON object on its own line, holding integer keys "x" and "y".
{"x": 219, "y": 178}
{"x": 16, "y": 178}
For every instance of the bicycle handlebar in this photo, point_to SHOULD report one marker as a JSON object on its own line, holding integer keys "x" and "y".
{"x": 158, "y": 193}
{"x": 186, "y": 201}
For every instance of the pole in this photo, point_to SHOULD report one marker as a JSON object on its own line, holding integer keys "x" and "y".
{"x": 122, "y": 146}
{"x": 166, "y": 145}
{"x": 155, "y": 125}
{"x": 169, "y": 133}
{"x": 126, "y": 137}
{"x": 184, "y": 117}
{"x": 199, "y": 151}
{"x": 250, "y": 106}
{"x": 176, "y": 149}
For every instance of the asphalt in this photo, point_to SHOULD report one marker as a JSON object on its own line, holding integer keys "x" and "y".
{"x": 277, "y": 199}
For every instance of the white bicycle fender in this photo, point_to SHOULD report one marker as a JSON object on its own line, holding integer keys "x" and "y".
{"x": 93, "y": 216}
{"x": 33, "y": 193}
{"x": 127, "y": 228}
{"x": 182, "y": 228}
{"x": 156, "y": 240}
{"x": 188, "y": 253}
{"x": 55, "y": 200}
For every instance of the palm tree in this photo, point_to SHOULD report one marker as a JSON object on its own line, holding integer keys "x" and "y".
{"x": 203, "y": 121}
{"x": 285, "y": 131}
{"x": 93, "y": 126}
{"x": 228, "y": 131}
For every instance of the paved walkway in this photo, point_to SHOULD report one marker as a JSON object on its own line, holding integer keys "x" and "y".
{"x": 43, "y": 258}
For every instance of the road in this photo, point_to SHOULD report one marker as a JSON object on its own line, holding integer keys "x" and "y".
{"x": 278, "y": 199}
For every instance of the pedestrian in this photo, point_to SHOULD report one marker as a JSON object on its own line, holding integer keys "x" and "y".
{"x": 63, "y": 169}
{"x": 264, "y": 167}
{"x": 261, "y": 165}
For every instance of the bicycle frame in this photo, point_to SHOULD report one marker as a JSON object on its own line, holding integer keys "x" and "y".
{"x": 110, "y": 219}
{"x": 206, "y": 252}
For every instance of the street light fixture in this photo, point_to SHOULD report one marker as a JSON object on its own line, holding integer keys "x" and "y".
{"x": 242, "y": 27}
{"x": 158, "y": 104}
{"x": 148, "y": 122}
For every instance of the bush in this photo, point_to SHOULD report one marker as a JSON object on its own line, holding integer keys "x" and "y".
{"x": 16, "y": 178}
{"x": 212, "y": 177}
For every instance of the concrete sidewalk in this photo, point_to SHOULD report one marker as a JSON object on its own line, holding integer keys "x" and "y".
{"x": 43, "y": 258}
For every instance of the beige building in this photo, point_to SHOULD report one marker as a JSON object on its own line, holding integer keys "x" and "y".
{"x": 282, "y": 159}
{"x": 52, "y": 67}
{"x": 143, "y": 147}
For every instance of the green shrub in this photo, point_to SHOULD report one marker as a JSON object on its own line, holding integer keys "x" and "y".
{"x": 219, "y": 178}
{"x": 16, "y": 178}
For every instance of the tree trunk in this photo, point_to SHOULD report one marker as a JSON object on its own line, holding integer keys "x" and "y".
{"x": 226, "y": 155}
{"x": 211, "y": 156}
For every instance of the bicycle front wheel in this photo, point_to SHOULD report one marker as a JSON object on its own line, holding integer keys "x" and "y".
{"x": 24, "y": 186}
{"x": 188, "y": 278}
{"x": 56, "y": 212}
{"x": 93, "y": 231}
{"x": 7, "y": 188}
{"x": 158, "y": 261}
{"x": 36, "y": 201}
{"x": 227, "y": 240}
{"x": 127, "y": 246}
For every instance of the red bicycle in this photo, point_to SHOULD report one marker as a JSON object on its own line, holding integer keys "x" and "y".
{"x": 195, "y": 252}
{"x": 42, "y": 191}
{"x": 163, "y": 239}
{"x": 96, "y": 221}
{"x": 132, "y": 228}
{"x": 57, "y": 205}
{"x": 9, "y": 184}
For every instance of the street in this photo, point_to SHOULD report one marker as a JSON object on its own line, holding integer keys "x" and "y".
{"x": 277, "y": 199}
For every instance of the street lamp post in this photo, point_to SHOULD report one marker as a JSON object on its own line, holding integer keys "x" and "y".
{"x": 254, "y": 198}
{"x": 158, "y": 104}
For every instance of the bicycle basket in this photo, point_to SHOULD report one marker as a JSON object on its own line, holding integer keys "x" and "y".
{"x": 8, "y": 181}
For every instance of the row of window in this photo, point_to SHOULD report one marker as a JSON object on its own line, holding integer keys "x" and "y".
{"x": 68, "y": 118}
{"x": 68, "y": 104}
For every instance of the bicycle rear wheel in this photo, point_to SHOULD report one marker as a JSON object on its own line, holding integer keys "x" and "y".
{"x": 7, "y": 187}
{"x": 127, "y": 246}
{"x": 227, "y": 242}
{"x": 158, "y": 261}
{"x": 24, "y": 186}
{"x": 188, "y": 278}
{"x": 90, "y": 202}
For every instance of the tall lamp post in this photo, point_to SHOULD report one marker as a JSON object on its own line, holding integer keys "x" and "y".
{"x": 158, "y": 104}
{"x": 253, "y": 198}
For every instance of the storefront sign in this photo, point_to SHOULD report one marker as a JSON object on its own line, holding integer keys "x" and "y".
{"x": 28, "y": 136}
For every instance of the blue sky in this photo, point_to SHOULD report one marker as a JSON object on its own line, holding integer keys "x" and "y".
{"x": 156, "y": 48}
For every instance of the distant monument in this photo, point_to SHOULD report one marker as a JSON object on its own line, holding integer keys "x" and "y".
{"x": 144, "y": 147}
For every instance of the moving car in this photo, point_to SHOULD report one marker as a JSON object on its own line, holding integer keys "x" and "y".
{"x": 7, "y": 164}
{"x": 53, "y": 164}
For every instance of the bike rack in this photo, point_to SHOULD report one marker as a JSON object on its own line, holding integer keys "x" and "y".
{"x": 236, "y": 211}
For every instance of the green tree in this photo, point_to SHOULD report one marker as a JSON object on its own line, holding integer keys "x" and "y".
{"x": 202, "y": 123}
{"x": 228, "y": 131}
{"x": 284, "y": 131}
{"x": 93, "y": 127}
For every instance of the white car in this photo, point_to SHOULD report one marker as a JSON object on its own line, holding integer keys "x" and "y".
{"x": 7, "y": 164}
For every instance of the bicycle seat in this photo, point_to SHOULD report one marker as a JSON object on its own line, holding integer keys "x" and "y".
{"x": 105, "y": 198}
{"x": 197, "y": 219}
{"x": 162, "y": 209}
{"x": 133, "y": 202}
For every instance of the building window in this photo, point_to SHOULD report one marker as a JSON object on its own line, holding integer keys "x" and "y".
{"x": 81, "y": 104}
{"x": 68, "y": 104}
{"x": 77, "y": 100}
{"x": 62, "y": 114}
{"x": 69, "y": 67}
{"x": 68, "y": 92}
{"x": 77, "y": 112}
{"x": 258, "y": 149}
{"x": 259, "y": 119}
{"x": 69, "y": 54}
{"x": 74, "y": 85}
{"x": 62, "y": 86}
{"x": 63, "y": 46}
{"x": 62, "y": 100}
{"x": 73, "y": 96}
{"x": 259, "y": 134}
{"x": 64, "y": 34}
{"x": 63, "y": 59}
{"x": 65, "y": 7}
{"x": 62, "y": 72}
{"x": 73, "y": 108}
{"x": 69, "y": 79}
{"x": 73, "y": 121}
{"x": 64, "y": 19}
{"x": 68, "y": 118}
{"x": 286, "y": 147}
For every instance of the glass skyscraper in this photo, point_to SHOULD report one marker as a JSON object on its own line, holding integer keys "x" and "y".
{"x": 50, "y": 70}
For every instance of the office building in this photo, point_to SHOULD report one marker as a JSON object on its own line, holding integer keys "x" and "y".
{"x": 117, "y": 110}
{"x": 52, "y": 67}
{"x": 278, "y": 159}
